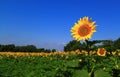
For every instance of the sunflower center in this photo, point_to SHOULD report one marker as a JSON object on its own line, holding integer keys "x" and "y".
{"x": 101, "y": 51}
{"x": 84, "y": 30}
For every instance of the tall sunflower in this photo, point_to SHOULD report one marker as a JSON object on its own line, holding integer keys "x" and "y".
{"x": 84, "y": 29}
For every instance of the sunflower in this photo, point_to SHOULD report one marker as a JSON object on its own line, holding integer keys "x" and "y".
{"x": 113, "y": 53}
{"x": 84, "y": 29}
{"x": 101, "y": 52}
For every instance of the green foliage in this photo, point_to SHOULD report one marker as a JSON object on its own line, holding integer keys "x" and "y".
{"x": 56, "y": 66}
{"x": 64, "y": 72}
{"x": 53, "y": 50}
{"x": 109, "y": 45}
{"x": 27, "y": 48}
{"x": 27, "y": 67}
{"x": 81, "y": 73}
{"x": 73, "y": 45}
{"x": 101, "y": 73}
{"x": 117, "y": 43}
{"x": 9, "y": 47}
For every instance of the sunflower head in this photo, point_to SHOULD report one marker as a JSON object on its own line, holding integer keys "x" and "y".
{"x": 84, "y": 29}
{"x": 101, "y": 52}
{"x": 113, "y": 53}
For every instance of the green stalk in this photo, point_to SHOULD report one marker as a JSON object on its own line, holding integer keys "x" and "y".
{"x": 87, "y": 48}
{"x": 89, "y": 69}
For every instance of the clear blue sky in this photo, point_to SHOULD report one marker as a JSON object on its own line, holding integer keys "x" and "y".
{"x": 47, "y": 23}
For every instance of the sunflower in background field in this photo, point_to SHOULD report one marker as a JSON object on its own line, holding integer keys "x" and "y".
{"x": 101, "y": 52}
{"x": 84, "y": 29}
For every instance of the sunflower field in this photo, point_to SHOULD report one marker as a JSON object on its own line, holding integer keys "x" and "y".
{"x": 90, "y": 62}
{"x": 60, "y": 64}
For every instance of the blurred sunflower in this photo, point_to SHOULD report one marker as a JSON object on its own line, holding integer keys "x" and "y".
{"x": 84, "y": 29}
{"x": 113, "y": 53}
{"x": 101, "y": 52}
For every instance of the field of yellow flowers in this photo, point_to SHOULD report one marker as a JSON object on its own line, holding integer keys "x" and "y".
{"x": 59, "y": 64}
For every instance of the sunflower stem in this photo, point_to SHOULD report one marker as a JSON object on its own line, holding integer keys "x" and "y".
{"x": 89, "y": 57}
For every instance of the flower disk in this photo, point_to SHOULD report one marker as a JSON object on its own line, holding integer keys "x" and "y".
{"x": 84, "y": 29}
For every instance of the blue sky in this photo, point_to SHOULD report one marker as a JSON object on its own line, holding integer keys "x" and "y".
{"x": 47, "y": 23}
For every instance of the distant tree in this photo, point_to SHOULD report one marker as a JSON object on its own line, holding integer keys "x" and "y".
{"x": 117, "y": 43}
{"x": 9, "y": 47}
{"x": 74, "y": 45}
{"x": 17, "y": 49}
{"x": 47, "y": 50}
{"x": 30, "y": 48}
{"x": 53, "y": 50}
{"x": 40, "y": 50}
{"x": 20, "y": 49}
{"x": 108, "y": 45}
{"x": 2, "y": 48}
{"x": 94, "y": 45}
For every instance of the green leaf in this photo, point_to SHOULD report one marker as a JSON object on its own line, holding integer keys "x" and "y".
{"x": 81, "y": 73}
{"x": 101, "y": 73}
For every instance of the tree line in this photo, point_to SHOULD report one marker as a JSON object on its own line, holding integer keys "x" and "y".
{"x": 27, "y": 48}
{"x": 109, "y": 45}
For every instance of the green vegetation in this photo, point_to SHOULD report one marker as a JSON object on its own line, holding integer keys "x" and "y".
{"x": 109, "y": 45}
{"x": 28, "y": 48}
{"x": 58, "y": 66}
{"x": 36, "y": 66}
